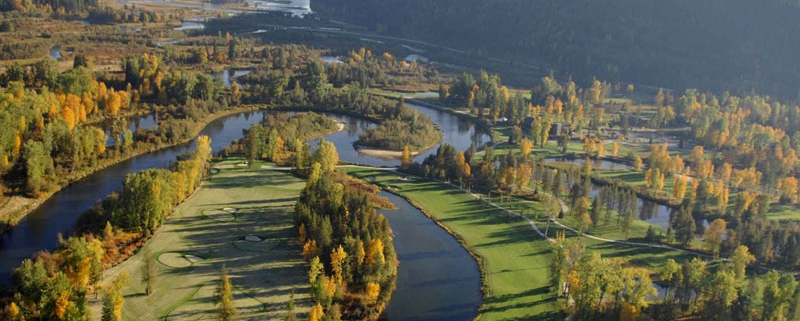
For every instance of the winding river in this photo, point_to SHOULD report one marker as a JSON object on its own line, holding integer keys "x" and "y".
{"x": 437, "y": 278}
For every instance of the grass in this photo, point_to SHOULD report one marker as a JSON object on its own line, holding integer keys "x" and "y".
{"x": 263, "y": 273}
{"x": 783, "y": 212}
{"x": 515, "y": 257}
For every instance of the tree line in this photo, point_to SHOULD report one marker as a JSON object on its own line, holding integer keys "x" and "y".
{"x": 56, "y": 286}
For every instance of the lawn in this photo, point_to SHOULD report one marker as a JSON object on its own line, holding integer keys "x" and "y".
{"x": 209, "y": 230}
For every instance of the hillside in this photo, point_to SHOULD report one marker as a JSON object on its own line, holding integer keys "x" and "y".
{"x": 737, "y": 45}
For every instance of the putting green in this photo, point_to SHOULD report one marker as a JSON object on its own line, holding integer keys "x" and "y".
{"x": 261, "y": 246}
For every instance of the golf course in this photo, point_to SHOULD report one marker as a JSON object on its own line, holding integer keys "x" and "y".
{"x": 239, "y": 218}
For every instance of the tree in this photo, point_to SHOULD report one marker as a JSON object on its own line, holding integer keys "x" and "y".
{"x": 637, "y": 164}
{"x": 778, "y": 291}
{"x": 290, "y": 316}
{"x": 627, "y": 221}
{"x": 338, "y": 257}
{"x": 713, "y": 235}
{"x": 113, "y": 299}
{"x": 669, "y": 273}
{"x": 597, "y": 208}
{"x": 223, "y": 296}
{"x": 684, "y": 226}
{"x": 316, "y": 313}
{"x": 148, "y": 272}
{"x": 406, "y": 159}
{"x": 525, "y": 146}
{"x": 679, "y": 187}
{"x": 38, "y": 165}
{"x": 326, "y": 155}
{"x": 373, "y": 290}
{"x": 789, "y": 188}
{"x": 739, "y": 261}
{"x": 315, "y": 80}
{"x": 462, "y": 168}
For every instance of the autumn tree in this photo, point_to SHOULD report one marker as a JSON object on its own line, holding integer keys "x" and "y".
{"x": 525, "y": 147}
{"x": 113, "y": 299}
{"x": 223, "y": 296}
{"x": 789, "y": 188}
{"x": 326, "y": 155}
{"x": 463, "y": 168}
{"x": 713, "y": 235}
{"x": 637, "y": 164}
{"x": 406, "y": 157}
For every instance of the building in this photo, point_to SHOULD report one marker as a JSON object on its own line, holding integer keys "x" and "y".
{"x": 557, "y": 129}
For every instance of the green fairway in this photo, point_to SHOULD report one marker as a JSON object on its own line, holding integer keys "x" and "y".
{"x": 240, "y": 218}
{"x": 515, "y": 256}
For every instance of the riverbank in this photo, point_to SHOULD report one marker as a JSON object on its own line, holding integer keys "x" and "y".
{"x": 19, "y": 206}
{"x": 393, "y": 154}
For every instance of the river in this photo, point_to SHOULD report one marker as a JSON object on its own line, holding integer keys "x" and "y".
{"x": 437, "y": 279}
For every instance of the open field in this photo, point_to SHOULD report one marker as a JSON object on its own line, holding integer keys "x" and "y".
{"x": 515, "y": 256}
{"x": 239, "y": 218}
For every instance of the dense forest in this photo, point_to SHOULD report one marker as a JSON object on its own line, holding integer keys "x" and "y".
{"x": 675, "y": 44}
{"x": 352, "y": 262}
{"x": 55, "y": 117}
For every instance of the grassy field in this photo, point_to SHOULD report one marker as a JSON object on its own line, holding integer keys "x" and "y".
{"x": 209, "y": 230}
{"x": 515, "y": 256}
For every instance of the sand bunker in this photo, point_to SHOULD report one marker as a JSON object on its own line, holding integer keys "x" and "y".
{"x": 174, "y": 259}
{"x": 214, "y": 170}
{"x": 193, "y": 258}
{"x": 230, "y": 210}
{"x": 252, "y": 238}
{"x": 222, "y": 215}
{"x": 254, "y": 243}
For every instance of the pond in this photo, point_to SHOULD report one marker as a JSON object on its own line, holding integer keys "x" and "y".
{"x": 55, "y": 53}
{"x": 229, "y": 75}
{"x": 190, "y": 25}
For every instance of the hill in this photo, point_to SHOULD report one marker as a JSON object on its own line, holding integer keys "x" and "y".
{"x": 737, "y": 45}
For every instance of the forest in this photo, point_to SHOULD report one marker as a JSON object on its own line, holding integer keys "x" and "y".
{"x": 352, "y": 262}
{"x": 667, "y": 44}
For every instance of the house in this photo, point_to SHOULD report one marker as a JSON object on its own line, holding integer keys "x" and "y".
{"x": 560, "y": 128}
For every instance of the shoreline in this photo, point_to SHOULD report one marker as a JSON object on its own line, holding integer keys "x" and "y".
{"x": 14, "y": 216}
{"x": 385, "y": 153}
